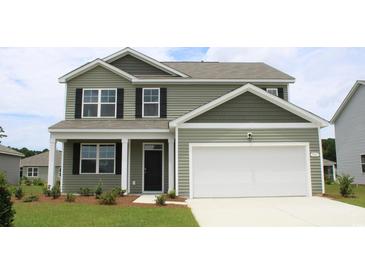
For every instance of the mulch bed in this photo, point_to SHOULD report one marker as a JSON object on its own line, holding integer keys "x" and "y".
{"x": 177, "y": 199}
{"x": 125, "y": 201}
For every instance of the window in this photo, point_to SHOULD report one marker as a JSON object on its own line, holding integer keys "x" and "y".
{"x": 272, "y": 91}
{"x": 97, "y": 158}
{"x": 363, "y": 163}
{"x": 32, "y": 172}
{"x": 99, "y": 103}
{"x": 151, "y": 102}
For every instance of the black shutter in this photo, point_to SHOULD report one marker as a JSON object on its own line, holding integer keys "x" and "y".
{"x": 120, "y": 102}
{"x": 76, "y": 159}
{"x": 78, "y": 103}
{"x": 163, "y": 102}
{"x": 138, "y": 102}
{"x": 118, "y": 158}
{"x": 281, "y": 93}
{"x": 264, "y": 89}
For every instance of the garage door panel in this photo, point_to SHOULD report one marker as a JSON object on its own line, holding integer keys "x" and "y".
{"x": 249, "y": 171}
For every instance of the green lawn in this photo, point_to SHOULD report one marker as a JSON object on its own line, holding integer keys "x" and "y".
{"x": 46, "y": 214}
{"x": 359, "y": 199}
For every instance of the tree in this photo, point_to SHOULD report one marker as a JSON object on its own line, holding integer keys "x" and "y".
{"x": 2, "y": 135}
{"x": 6, "y": 205}
{"x": 329, "y": 149}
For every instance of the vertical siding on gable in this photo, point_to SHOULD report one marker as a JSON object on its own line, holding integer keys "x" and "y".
{"x": 187, "y": 136}
{"x": 73, "y": 183}
{"x": 136, "y": 164}
{"x": 135, "y": 66}
{"x": 350, "y": 137}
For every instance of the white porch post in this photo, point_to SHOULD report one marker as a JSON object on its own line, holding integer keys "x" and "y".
{"x": 124, "y": 164}
{"x": 51, "y": 162}
{"x": 171, "y": 164}
{"x": 334, "y": 172}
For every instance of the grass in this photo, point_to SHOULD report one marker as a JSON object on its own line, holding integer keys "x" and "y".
{"x": 82, "y": 215}
{"x": 358, "y": 200}
{"x": 87, "y": 215}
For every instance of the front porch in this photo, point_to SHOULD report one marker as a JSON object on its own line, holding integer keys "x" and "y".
{"x": 142, "y": 162}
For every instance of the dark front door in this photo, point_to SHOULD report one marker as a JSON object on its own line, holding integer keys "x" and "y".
{"x": 153, "y": 170}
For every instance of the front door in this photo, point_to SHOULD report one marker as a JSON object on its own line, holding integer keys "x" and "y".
{"x": 153, "y": 159}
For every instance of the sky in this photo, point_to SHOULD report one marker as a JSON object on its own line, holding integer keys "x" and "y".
{"x": 31, "y": 99}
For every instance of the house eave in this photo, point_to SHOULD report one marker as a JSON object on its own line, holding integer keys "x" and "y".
{"x": 211, "y": 81}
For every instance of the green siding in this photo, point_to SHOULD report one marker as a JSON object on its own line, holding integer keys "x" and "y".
{"x": 247, "y": 108}
{"x": 135, "y": 66}
{"x": 187, "y": 136}
{"x": 136, "y": 164}
{"x": 181, "y": 99}
{"x": 73, "y": 183}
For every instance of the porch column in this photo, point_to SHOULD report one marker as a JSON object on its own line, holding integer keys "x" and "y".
{"x": 171, "y": 164}
{"x": 334, "y": 172}
{"x": 124, "y": 164}
{"x": 52, "y": 162}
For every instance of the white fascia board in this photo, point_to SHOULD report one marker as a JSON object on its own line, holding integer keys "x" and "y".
{"x": 213, "y": 81}
{"x": 346, "y": 100}
{"x": 108, "y": 130}
{"x": 92, "y": 65}
{"x": 257, "y": 91}
{"x": 143, "y": 58}
{"x": 247, "y": 125}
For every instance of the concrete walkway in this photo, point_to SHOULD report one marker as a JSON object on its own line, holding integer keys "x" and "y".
{"x": 288, "y": 211}
{"x": 150, "y": 199}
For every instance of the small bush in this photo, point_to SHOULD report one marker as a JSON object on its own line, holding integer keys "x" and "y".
{"x": 118, "y": 191}
{"x": 38, "y": 182}
{"x": 98, "y": 191}
{"x": 19, "y": 193}
{"x": 70, "y": 198}
{"x": 6, "y": 205}
{"x": 346, "y": 187}
{"x": 172, "y": 194}
{"x": 26, "y": 181}
{"x": 47, "y": 191}
{"x": 31, "y": 198}
{"x": 160, "y": 200}
{"x": 85, "y": 191}
{"x": 108, "y": 198}
{"x": 55, "y": 191}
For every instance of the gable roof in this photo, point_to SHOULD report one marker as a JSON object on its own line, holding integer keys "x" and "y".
{"x": 40, "y": 159}
{"x": 229, "y": 70}
{"x": 259, "y": 92}
{"x": 347, "y": 99}
{"x": 91, "y": 65}
{"x": 144, "y": 58}
{"x": 9, "y": 151}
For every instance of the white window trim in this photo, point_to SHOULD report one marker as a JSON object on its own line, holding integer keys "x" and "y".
{"x": 32, "y": 171}
{"x": 163, "y": 166}
{"x": 99, "y": 103}
{"x": 97, "y": 158}
{"x": 151, "y": 103}
{"x": 362, "y": 163}
{"x": 273, "y": 89}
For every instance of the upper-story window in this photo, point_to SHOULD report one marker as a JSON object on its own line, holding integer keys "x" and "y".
{"x": 99, "y": 103}
{"x": 151, "y": 102}
{"x": 273, "y": 91}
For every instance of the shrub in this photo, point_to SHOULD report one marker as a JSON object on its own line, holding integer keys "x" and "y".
{"x": 118, "y": 191}
{"x": 47, "y": 191}
{"x": 26, "y": 181}
{"x": 38, "y": 182}
{"x": 108, "y": 198}
{"x": 55, "y": 191}
{"x": 19, "y": 193}
{"x": 346, "y": 188}
{"x": 70, "y": 198}
{"x": 6, "y": 206}
{"x": 98, "y": 191}
{"x": 172, "y": 194}
{"x": 31, "y": 198}
{"x": 85, "y": 191}
{"x": 160, "y": 200}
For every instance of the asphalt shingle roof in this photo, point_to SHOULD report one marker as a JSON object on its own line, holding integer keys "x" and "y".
{"x": 40, "y": 159}
{"x": 9, "y": 151}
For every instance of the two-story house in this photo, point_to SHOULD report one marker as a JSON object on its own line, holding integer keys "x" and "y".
{"x": 204, "y": 129}
{"x": 349, "y": 121}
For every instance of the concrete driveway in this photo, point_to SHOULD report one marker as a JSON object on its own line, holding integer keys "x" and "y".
{"x": 288, "y": 211}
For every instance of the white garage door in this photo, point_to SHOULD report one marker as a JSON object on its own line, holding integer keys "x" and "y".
{"x": 249, "y": 170}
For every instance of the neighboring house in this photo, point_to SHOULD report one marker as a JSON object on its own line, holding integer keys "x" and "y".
{"x": 349, "y": 121}
{"x": 9, "y": 163}
{"x": 329, "y": 169}
{"x": 37, "y": 166}
{"x": 204, "y": 129}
